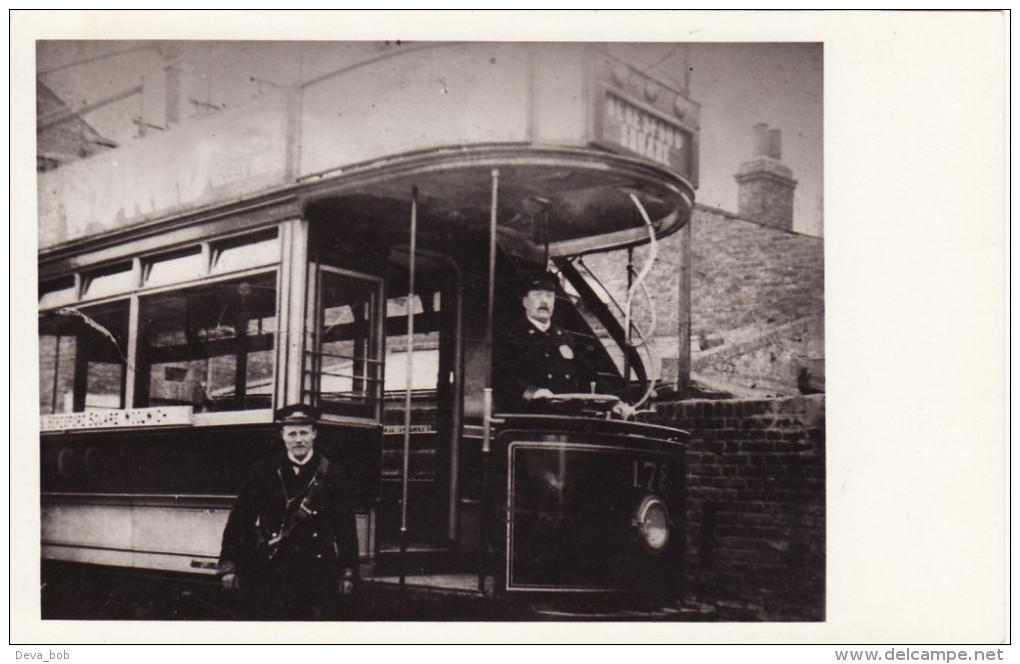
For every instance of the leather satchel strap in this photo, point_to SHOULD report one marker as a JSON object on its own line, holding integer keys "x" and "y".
{"x": 297, "y": 509}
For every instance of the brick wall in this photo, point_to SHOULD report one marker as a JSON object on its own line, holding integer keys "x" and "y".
{"x": 757, "y": 302}
{"x": 751, "y": 274}
{"x": 755, "y": 505}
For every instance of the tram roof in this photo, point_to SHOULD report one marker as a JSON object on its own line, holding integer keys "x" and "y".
{"x": 573, "y": 132}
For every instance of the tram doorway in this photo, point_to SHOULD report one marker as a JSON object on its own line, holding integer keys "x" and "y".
{"x": 431, "y": 368}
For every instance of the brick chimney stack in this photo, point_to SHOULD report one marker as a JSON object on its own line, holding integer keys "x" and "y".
{"x": 765, "y": 185}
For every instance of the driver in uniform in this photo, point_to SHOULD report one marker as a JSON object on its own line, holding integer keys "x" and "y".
{"x": 536, "y": 359}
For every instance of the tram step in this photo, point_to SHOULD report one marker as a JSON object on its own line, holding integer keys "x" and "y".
{"x": 427, "y": 559}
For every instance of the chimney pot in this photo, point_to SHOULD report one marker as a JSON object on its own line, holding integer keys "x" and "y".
{"x": 765, "y": 186}
{"x": 776, "y": 144}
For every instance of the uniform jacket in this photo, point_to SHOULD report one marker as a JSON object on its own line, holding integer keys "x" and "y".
{"x": 313, "y": 557}
{"x": 527, "y": 358}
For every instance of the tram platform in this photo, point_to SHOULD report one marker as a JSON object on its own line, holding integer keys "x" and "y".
{"x": 451, "y": 583}
{"x": 75, "y": 592}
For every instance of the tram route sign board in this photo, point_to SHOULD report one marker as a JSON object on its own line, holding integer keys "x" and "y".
{"x": 636, "y": 113}
{"x": 629, "y": 127}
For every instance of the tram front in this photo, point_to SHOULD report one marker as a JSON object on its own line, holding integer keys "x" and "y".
{"x": 581, "y": 496}
{"x": 560, "y": 495}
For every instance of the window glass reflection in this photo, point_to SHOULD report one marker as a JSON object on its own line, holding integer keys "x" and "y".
{"x": 83, "y": 359}
{"x": 210, "y": 346}
{"x": 342, "y": 364}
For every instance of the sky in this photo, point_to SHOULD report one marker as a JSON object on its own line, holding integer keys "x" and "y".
{"x": 737, "y": 85}
{"x": 778, "y": 84}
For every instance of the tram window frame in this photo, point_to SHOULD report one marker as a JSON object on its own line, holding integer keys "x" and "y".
{"x": 61, "y": 291}
{"x": 426, "y": 344}
{"x": 245, "y": 252}
{"x": 176, "y": 267}
{"x": 192, "y": 344}
{"x": 97, "y": 337}
{"x": 109, "y": 281}
{"x": 130, "y": 281}
{"x": 362, "y": 405}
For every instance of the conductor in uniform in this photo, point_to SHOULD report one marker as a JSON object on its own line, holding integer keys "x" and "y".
{"x": 290, "y": 545}
{"x": 537, "y": 360}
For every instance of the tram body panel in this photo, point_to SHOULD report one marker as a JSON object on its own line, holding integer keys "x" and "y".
{"x": 574, "y": 516}
{"x": 164, "y": 533}
{"x": 432, "y": 100}
{"x": 225, "y": 156}
{"x": 159, "y": 500}
{"x": 592, "y": 506}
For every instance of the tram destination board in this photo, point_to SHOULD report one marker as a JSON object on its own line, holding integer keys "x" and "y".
{"x": 630, "y": 128}
{"x": 635, "y": 114}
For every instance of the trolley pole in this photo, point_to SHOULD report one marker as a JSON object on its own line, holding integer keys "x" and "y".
{"x": 407, "y": 394}
{"x": 487, "y": 394}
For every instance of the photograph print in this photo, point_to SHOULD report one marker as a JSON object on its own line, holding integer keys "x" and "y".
{"x": 431, "y": 331}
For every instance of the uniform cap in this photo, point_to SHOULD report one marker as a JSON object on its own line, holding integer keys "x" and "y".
{"x": 542, "y": 281}
{"x": 297, "y": 414}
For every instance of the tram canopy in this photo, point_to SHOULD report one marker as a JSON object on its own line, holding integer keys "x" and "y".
{"x": 568, "y": 202}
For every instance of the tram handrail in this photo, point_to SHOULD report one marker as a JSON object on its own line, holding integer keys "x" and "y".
{"x": 653, "y": 251}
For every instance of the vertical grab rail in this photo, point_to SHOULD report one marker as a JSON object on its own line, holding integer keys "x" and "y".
{"x": 407, "y": 393}
{"x": 490, "y": 314}
{"x": 487, "y": 393}
{"x": 629, "y": 337}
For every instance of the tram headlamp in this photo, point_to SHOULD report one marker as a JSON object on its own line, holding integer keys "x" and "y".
{"x": 652, "y": 523}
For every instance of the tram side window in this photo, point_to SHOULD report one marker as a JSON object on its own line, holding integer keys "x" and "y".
{"x": 83, "y": 359}
{"x": 342, "y": 358}
{"x": 210, "y": 346}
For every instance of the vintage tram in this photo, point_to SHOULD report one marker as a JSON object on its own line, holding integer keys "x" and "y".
{"x": 354, "y": 243}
